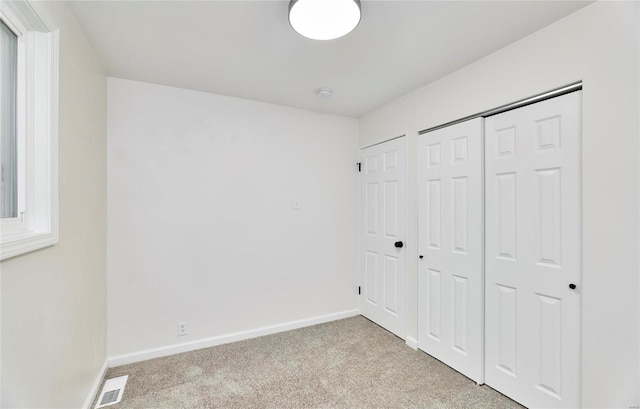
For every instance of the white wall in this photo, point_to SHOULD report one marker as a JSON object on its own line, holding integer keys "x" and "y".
{"x": 201, "y": 226}
{"x": 598, "y": 45}
{"x": 53, "y": 340}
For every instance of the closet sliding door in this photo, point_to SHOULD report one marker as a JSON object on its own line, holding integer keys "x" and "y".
{"x": 533, "y": 235}
{"x": 450, "y": 279}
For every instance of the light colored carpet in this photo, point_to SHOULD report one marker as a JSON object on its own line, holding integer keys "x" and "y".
{"x": 351, "y": 363}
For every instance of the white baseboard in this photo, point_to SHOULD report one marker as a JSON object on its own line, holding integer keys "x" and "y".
{"x": 225, "y": 339}
{"x": 96, "y": 386}
{"x": 412, "y": 343}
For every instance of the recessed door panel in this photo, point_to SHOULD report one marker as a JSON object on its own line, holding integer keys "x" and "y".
{"x": 434, "y": 214}
{"x": 450, "y": 280}
{"x": 383, "y": 224}
{"x": 548, "y": 216}
{"x": 371, "y": 208}
{"x": 506, "y": 219}
{"x": 459, "y": 150}
{"x": 435, "y": 304}
{"x": 391, "y": 202}
{"x": 460, "y": 314}
{"x": 433, "y": 155}
{"x": 391, "y": 284}
{"x": 371, "y": 277}
{"x": 507, "y": 328}
{"x": 460, "y": 213}
{"x": 549, "y": 345}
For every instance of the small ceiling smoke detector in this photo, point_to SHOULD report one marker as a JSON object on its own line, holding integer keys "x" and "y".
{"x": 324, "y": 92}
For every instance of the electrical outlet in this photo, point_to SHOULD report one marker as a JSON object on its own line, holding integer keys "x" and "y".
{"x": 182, "y": 329}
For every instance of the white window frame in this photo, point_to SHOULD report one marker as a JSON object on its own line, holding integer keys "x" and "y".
{"x": 37, "y": 132}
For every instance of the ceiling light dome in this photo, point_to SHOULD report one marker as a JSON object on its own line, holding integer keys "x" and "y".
{"x": 324, "y": 19}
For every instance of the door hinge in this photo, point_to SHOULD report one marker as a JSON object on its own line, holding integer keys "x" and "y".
{"x": 359, "y": 290}
{"x": 359, "y": 166}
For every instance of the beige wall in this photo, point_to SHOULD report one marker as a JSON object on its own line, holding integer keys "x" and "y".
{"x": 598, "y": 45}
{"x": 53, "y": 341}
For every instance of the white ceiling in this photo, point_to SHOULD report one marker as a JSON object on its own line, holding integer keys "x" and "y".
{"x": 247, "y": 49}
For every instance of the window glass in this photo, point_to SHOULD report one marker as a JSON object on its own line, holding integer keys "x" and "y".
{"x": 8, "y": 139}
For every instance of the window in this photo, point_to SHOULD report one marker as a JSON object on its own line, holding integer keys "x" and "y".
{"x": 8, "y": 142}
{"x": 28, "y": 129}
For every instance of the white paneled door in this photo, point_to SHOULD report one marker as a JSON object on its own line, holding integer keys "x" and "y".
{"x": 450, "y": 279}
{"x": 383, "y": 200}
{"x": 533, "y": 214}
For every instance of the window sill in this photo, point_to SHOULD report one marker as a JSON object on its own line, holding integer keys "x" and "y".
{"x": 26, "y": 242}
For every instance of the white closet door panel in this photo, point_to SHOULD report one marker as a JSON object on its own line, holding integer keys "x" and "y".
{"x": 450, "y": 281}
{"x": 532, "y": 157}
{"x": 383, "y": 223}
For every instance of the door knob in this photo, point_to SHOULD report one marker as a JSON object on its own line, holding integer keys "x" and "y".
{"x": 399, "y": 244}
{"x": 421, "y": 257}
{"x": 572, "y": 286}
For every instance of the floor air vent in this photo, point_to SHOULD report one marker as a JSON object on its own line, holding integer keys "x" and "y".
{"x": 112, "y": 391}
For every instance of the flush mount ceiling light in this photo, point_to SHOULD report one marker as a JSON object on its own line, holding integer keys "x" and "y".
{"x": 324, "y": 19}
